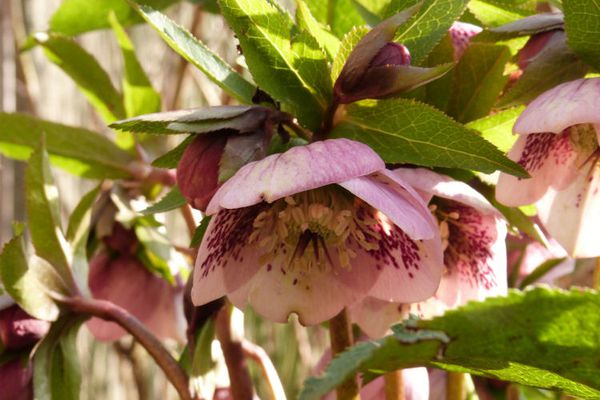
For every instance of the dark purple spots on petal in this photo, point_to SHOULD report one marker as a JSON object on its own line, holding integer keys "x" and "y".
{"x": 539, "y": 147}
{"x": 295, "y": 282}
{"x": 269, "y": 267}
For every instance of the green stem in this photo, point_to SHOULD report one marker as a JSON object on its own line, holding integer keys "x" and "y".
{"x": 340, "y": 332}
{"x": 455, "y": 386}
{"x": 394, "y": 385}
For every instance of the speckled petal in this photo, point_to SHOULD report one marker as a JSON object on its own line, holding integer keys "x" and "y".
{"x": 475, "y": 258}
{"x": 424, "y": 180}
{"x": 551, "y": 162}
{"x": 299, "y": 169}
{"x": 225, "y": 260}
{"x": 397, "y": 200}
{"x": 572, "y": 216}
{"x": 568, "y": 104}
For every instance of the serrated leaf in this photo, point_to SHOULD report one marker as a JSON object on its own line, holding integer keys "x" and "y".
{"x": 77, "y": 150}
{"x": 405, "y": 131}
{"x": 87, "y": 73}
{"x": 327, "y": 40}
{"x": 25, "y": 284}
{"x": 171, "y": 158}
{"x": 196, "y": 52}
{"x": 56, "y": 367}
{"x": 199, "y": 232}
{"x": 170, "y": 201}
{"x": 428, "y": 26}
{"x": 582, "y": 24}
{"x": 340, "y": 15}
{"x": 540, "y": 337}
{"x": 494, "y": 13}
{"x": 348, "y": 43}
{"x": 200, "y": 120}
{"x": 139, "y": 97}
{"x": 555, "y": 64}
{"x": 43, "y": 214}
{"x": 478, "y": 80}
{"x": 531, "y": 25}
{"x": 78, "y": 16}
{"x": 285, "y": 62}
{"x": 497, "y": 128}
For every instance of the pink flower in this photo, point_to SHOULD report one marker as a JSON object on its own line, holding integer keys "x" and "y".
{"x": 461, "y": 34}
{"x": 16, "y": 380}
{"x": 19, "y": 330}
{"x": 558, "y": 145}
{"x": 529, "y": 255}
{"x": 473, "y": 238}
{"x": 313, "y": 230}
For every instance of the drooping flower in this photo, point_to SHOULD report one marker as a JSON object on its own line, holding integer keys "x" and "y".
{"x": 16, "y": 379}
{"x": 558, "y": 146}
{"x": 19, "y": 330}
{"x": 313, "y": 230}
{"x": 473, "y": 238}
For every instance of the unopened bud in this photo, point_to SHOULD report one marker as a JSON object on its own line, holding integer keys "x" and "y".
{"x": 19, "y": 330}
{"x": 461, "y": 34}
{"x": 391, "y": 54}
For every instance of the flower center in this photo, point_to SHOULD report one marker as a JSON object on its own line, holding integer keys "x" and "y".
{"x": 314, "y": 229}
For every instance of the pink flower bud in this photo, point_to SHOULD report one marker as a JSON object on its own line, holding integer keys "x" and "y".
{"x": 19, "y": 330}
{"x": 16, "y": 380}
{"x": 461, "y": 34}
{"x": 391, "y": 54}
{"x": 198, "y": 169}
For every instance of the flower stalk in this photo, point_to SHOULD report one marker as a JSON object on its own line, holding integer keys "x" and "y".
{"x": 340, "y": 332}
{"x": 455, "y": 386}
{"x": 393, "y": 385}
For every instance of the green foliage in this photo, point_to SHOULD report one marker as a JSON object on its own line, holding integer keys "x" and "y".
{"x": 497, "y": 128}
{"x": 77, "y": 150}
{"x": 199, "y": 232}
{"x": 193, "y": 50}
{"x": 582, "y": 24}
{"x": 171, "y": 158}
{"x": 285, "y": 61}
{"x": 541, "y": 337}
{"x": 492, "y": 13}
{"x": 405, "y": 131}
{"x": 531, "y": 25}
{"x": 348, "y": 43}
{"x": 170, "y": 201}
{"x": 56, "y": 369}
{"x": 306, "y": 21}
{"x": 86, "y": 72}
{"x": 78, "y": 16}
{"x": 478, "y": 80}
{"x": 340, "y": 15}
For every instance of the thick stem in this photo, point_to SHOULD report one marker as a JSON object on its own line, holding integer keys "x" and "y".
{"x": 596, "y": 275}
{"x": 325, "y": 128}
{"x": 393, "y": 385}
{"x": 340, "y": 332}
{"x": 239, "y": 377}
{"x": 112, "y": 312}
{"x": 143, "y": 172}
{"x": 455, "y": 386}
{"x": 269, "y": 373}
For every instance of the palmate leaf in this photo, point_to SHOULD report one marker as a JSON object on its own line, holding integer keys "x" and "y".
{"x": 405, "y": 131}
{"x": 77, "y": 150}
{"x": 540, "y": 337}
{"x": 285, "y": 61}
{"x": 196, "y": 52}
{"x": 582, "y": 24}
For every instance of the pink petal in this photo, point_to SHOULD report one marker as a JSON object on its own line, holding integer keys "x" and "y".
{"x": 475, "y": 258}
{"x": 461, "y": 34}
{"x": 568, "y": 104}
{"x": 572, "y": 216}
{"x": 225, "y": 260}
{"x": 374, "y": 316}
{"x": 16, "y": 379}
{"x": 397, "y": 200}
{"x": 298, "y": 169}
{"x": 427, "y": 181}
{"x": 551, "y": 162}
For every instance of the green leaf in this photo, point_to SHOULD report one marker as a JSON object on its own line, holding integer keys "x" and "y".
{"x": 43, "y": 213}
{"x": 527, "y": 26}
{"x": 171, "y": 158}
{"x": 428, "y": 26}
{"x": 327, "y": 40}
{"x": 499, "y": 12}
{"x": 202, "y": 361}
{"x": 200, "y": 231}
{"x": 497, "y": 128}
{"x": 139, "y": 96}
{"x": 28, "y": 284}
{"x": 405, "y": 131}
{"x": 87, "y": 73}
{"x": 170, "y": 201}
{"x": 284, "y": 61}
{"x": 582, "y": 24}
{"x": 348, "y": 43}
{"x": 56, "y": 368}
{"x": 77, "y": 150}
{"x": 157, "y": 253}
{"x": 540, "y": 337}
{"x": 438, "y": 92}
{"x": 555, "y": 64}
{"x": 78, "y": 16}
{"x": 340, "y": 15}
{"x": 196, "y": 52}
{"x": 478, "y": 80}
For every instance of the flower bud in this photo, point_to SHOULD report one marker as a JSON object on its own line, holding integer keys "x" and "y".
{"x": 16, "y": 380}
{"x": 19, "y": 330}
{"x": 198, "y": 169}
{"x": 461, "y": 34}
{"x": 121, "y": 240}
{"x": 391, "y": 54}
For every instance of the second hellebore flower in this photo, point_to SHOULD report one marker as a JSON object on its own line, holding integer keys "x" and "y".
{"x": 315, "y": 229}
{"x": 558, "y": 145}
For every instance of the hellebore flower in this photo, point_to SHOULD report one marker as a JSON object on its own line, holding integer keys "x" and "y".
{"x": 558, "y": 146}
{"x": 313, "y": 230}
{"x": 16, "y": 380}
{"x": 19, "y": 330}
{"x": 461, "y": 34}
{"x": 529, "y": 255}
{"x": 473, "y": 238}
